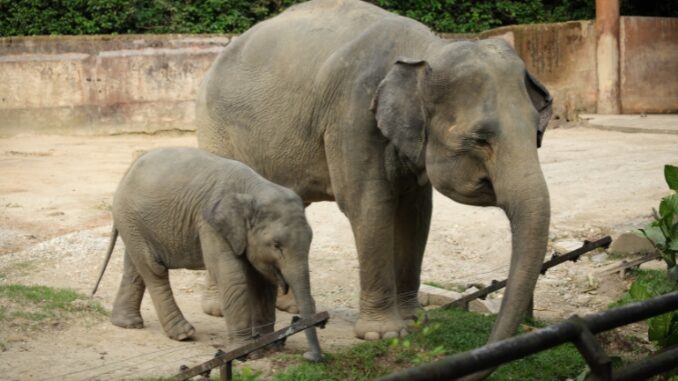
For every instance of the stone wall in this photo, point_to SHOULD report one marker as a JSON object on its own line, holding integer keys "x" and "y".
{"x": 111, "y": 84}
{"x": 648, "y": 64}
{"x": 563, "y": 57}
{"x": 102, "y": 84}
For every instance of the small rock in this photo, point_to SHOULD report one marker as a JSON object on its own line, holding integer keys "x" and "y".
{"x": 566, "y": 245}
{"x": 470, "y": 290}
{"x": 436, "y": 296}
{"x": 487, "y": 306}
{"x": 598, "y": 258}
{"x": 630, "y": 244}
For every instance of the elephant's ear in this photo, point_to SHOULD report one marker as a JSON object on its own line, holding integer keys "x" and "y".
{"x": 230, "y": 215}
{"x": 542, "y": 101}
{"x": 398, "y": 106}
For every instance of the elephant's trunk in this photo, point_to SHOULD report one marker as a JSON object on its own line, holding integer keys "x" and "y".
{"x": 529, "y": 216}
{"x": 301, "y": 287}
{"x": 522, "y": 193}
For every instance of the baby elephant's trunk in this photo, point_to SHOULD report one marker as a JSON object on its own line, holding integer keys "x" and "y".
{"x": 302, "y": 293}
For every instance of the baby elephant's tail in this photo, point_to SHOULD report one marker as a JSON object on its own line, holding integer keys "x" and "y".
{"x": 111, "y": 245}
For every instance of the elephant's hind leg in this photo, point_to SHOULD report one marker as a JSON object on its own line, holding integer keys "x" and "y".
{"x": 413, "y": 220}
{"x": 126, "y": 313}
{"x": 211, "y": 299}
{"x": 172, "y": 320}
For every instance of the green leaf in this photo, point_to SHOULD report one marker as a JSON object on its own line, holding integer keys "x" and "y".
{"x": 669, "y": 207}
{"x": 659, "y": 327}
{"x": 654, "y": 233}
{"x": 639, "y": 291}
{"x": 671, "y": 176}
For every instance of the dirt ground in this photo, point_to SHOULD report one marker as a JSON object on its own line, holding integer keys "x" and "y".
{"x": 55, "y": 194}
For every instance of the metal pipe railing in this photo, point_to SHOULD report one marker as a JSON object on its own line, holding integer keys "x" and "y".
{"x": 576, "y": 330}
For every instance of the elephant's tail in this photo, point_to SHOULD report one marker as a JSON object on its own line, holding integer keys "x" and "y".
{"x": 111, "y": 245}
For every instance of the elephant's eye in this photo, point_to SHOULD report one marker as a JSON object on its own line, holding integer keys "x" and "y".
{"x": 481, "y": 142}
{"x": 277, "y": 245}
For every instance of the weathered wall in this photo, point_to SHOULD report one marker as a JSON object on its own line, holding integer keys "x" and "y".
{"x": 106, "y": 84}
{"x": 563, "y": 57}
{"x": 649, "y": 64}
{"x": 102, "y": 83}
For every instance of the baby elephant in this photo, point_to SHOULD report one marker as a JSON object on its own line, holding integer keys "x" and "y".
{"x": 186, "y": 208}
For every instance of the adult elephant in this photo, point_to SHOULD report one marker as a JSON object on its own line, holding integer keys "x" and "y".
{"x": 341, "y": 100}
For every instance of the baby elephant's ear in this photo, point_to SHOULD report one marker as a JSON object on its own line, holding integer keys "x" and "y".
{"x": 229, "y": 214}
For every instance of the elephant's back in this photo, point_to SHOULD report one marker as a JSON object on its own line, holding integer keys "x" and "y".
{"x": 270, "y": 96}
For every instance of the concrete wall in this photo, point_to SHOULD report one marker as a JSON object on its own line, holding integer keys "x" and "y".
{"x": 649, "y": 64}
{"x": 563, "y": 57}
{"x": 102, "y": 84}
{"x": 105, "y": 84}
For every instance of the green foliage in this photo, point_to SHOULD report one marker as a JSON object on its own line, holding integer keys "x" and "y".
{"x": 663, "y": 231}
{"x": 663, "y": 234}
{"x": 76, "y": 17}
{"x": 448, "y": 332}
{"x": 662, "y": 329}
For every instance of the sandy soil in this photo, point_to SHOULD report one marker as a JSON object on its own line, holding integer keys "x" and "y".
{"x": 55, "y": 194}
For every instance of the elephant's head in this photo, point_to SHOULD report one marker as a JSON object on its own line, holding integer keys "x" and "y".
{"x": 271, "y": 230}
{"x": 469, "y": 118}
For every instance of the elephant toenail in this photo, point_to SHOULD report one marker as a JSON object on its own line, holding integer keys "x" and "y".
{"x": 372, "y": 336}
{"x": 390, "y": 335}
{"x": 404, "y": 332}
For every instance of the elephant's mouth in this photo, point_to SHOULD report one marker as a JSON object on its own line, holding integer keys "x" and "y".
{"x": 281, "y": 281}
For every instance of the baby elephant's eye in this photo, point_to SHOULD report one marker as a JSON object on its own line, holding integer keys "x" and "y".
{"x": 277, "y": 245}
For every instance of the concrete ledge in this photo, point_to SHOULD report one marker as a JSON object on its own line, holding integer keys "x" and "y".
{"x": 649, "y": 124}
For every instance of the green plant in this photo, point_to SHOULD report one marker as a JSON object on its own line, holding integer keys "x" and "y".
{"x": 663, "y": 231}
{"x": 663, "y": 234}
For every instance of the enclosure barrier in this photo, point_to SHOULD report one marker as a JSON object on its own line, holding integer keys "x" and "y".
{"x": 224, "y": 360}
{"x": 554, "y": 261}
{"x": 577, "y": 330}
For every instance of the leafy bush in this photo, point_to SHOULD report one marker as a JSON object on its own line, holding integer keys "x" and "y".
{"x": 663, "y": 234}
{"x": 663, "y": 231}
{"x": 40, "y": 17}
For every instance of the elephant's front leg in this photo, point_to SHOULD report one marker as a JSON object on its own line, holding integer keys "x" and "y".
{"x": 373, "y": 228}
{"x": 235, "y": 295}
{"x": 263, "y": 300}
{"x": 412, "y": 223}
{"x": 262, "y": 303}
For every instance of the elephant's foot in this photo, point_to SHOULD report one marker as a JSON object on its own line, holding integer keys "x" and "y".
{"x": 286, "y": 302}
{"x": 211, "y": 306}
{"x": 126, "y": 318}
{"x": 412, "y": 312}
{"x": 179, "y": 330}
{"x": 211, "y": 303}
{"x": 380, "y": 327}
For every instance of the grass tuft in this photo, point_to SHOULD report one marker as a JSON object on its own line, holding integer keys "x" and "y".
{"x": 448, "y": 332}
{"x": 32, "y": 308}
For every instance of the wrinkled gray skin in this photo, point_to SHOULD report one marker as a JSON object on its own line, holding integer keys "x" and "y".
{"x": 343, "y": 101}
{"x": 186, "y": 208}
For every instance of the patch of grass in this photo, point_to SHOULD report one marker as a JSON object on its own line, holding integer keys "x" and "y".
{"x": 448, "y": 332}
{"x": 27, "y": 307}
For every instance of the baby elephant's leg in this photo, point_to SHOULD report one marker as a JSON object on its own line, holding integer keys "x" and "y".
{"x": 169, "y": 314}
{"x": 126, "y": 313}
{"x": 156, "y": 279}
{"x": 211, "y": 299}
